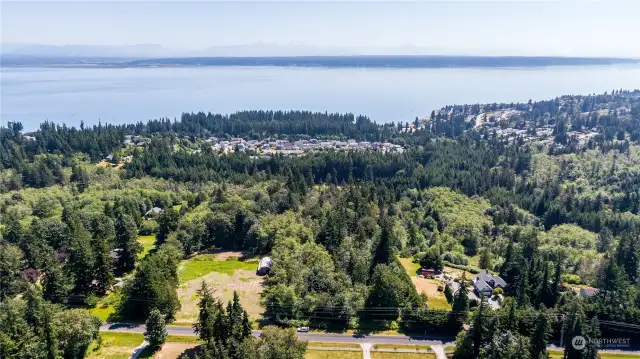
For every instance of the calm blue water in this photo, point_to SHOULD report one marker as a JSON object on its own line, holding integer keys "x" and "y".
{"x": 137, "y": 94}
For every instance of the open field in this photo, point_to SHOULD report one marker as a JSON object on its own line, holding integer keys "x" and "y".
{"x": 225, "y": 274}
{"x": 115, "y": 346}
{"x": 401, "y": 346}
{"x": 332, "y": 354}
{"x": 204, "y": 264}
{"x": 148, "y": 243}
{"x": 411, "y": 267}
{"x": 388, "y": 355}
{"x": 437, "y": 300}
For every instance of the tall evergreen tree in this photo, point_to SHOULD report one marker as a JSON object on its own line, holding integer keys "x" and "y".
{"x": 127, "y": 242}
{"x": 156, "y": 329}
{"x": 207, "y": 314}
{"x": 460, "y": 306}
{"x": 540, "y": 336}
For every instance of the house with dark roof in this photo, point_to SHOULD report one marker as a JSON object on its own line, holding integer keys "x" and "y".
{"x": 587, "y": 292}
{"x": 485, "y": 283}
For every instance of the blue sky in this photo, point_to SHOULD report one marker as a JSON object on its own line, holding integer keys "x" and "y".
{"x": 579, "y": 28}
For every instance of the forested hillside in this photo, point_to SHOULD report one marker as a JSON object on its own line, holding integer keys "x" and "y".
{"x": 544, "y": 194}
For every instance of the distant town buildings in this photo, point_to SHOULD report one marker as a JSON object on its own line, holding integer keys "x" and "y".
{"x": 297, "y": 147}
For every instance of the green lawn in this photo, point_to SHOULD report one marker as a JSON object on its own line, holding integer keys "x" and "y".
{"x": 115, "y": 345}
{"x": 183, "y": 339}
{"x": 148, "y": 243}
{"x": 409, "y": 266}
{"x": 438, "y": 303}
{"x": 332, "y": 354}
{"x": 204, "y": 264}
{"x": 389, "y": 355}
{"x": 401, "y": 346}
{"x": 333, "y": 345}
{"x": 119, "y": 339}
{"x": 106, "y": 306}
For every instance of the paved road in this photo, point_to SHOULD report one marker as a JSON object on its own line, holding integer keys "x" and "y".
{"x": 312, "y": 337}
{"x": 328, "y": 337}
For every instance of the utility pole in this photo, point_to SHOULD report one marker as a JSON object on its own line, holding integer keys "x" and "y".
{"x": 564, "y": 327}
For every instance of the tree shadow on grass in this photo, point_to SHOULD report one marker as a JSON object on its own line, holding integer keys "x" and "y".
{"x": 148, "y": 353}
{"x": 190, "y": 353}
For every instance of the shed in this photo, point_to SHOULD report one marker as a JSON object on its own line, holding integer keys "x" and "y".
{"x": 264, "y": 267}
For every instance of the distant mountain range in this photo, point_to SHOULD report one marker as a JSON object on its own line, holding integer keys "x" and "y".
{"x": 263, "y": 54}
{"x": 250, "y": 50}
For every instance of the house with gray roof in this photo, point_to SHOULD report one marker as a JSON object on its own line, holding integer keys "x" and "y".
{"x": 485, "y": 283}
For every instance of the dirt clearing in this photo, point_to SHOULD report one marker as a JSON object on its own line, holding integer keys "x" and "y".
{"x": 231, "y": 277}
{"x": 174, "y": 350}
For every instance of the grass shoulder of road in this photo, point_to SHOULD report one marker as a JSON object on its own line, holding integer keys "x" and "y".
{"x": 401, "y": 346}
{"x": 332, "y": 345}
{"x": 114, "y": 345}
{"x": 191, "y": 339}
{"x": 390, "y": 355}
{"x": 332, "y": 354}
{"x": 204, "y": 264}
{"x": 450, "y": 348}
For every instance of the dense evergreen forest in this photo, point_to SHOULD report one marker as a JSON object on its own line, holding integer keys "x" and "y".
{"x": 544, "y": 194}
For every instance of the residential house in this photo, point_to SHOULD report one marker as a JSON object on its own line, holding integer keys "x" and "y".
{"x": 485, "y": 283}
{"x": 153, "y": 212}
{"x": 588, "y": 292}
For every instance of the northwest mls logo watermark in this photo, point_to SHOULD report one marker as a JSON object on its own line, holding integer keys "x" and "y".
{"x": 579, "y": 342}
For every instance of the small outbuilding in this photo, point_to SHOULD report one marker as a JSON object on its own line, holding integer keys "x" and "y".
{"x": 264, "y": 267}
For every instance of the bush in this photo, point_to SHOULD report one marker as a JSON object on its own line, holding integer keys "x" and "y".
{"x": 91, "y": 300}
{"x": 466, "y": 268}
{"x": 571, "y": 279}
{"x": 497, "y": 291}
{"x": 455, "y": 258}
{"x": 156, "y": 332}
{"x": 148, "y": 227}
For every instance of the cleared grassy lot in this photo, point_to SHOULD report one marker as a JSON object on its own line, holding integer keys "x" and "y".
{"x": 204, "y": 264}
{"x": 115, "y": 346}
